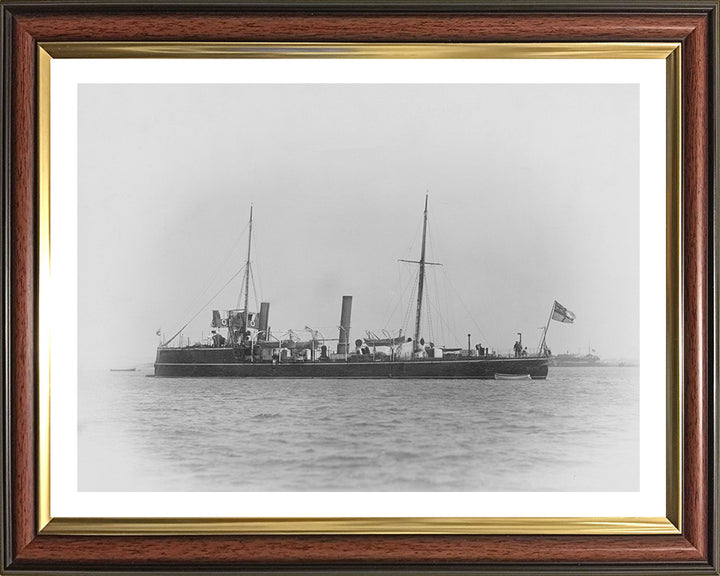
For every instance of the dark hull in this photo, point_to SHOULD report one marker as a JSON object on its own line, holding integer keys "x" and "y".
{"x": 220, "y": 362}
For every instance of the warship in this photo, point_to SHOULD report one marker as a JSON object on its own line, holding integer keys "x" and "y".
{"x": 242, "y": 345}
{"x": 588, "y": 360}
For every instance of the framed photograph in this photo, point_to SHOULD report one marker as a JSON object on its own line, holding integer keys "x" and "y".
{"x": 349, "y": 287}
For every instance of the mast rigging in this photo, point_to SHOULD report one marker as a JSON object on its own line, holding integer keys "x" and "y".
{"x": 246, "y": 316}
{"x": 421, "y": 276}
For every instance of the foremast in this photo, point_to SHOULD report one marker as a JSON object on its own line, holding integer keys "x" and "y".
{"x": 246, "y": 315}
{"x": 237, "y": 337}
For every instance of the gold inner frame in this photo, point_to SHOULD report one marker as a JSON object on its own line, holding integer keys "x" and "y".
{"x": 670, "y": 524}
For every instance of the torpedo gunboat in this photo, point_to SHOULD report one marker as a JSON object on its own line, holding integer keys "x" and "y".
{"x": 243, "y": 346}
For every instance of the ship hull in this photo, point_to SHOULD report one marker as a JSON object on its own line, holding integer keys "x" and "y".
{"x": 220, "y": 362}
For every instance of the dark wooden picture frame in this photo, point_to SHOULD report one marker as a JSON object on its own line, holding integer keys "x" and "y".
{"x": 26, "y": 24}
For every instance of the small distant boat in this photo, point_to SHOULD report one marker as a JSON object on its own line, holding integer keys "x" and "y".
{"x": 123, "y": 369}
{"x": 513, "y": 377}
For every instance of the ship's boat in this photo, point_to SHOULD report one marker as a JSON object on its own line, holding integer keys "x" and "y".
{"x": 301, "y": 344}
{"x": 373, "y": 340}
{"x": 513, "y": 377}
{"x": 242, "y": 345}
{"x": 270, "y": 345}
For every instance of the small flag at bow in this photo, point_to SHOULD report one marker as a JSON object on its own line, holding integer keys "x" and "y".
{"x": 158, "y": 332}
{"x": 562, "y": 314}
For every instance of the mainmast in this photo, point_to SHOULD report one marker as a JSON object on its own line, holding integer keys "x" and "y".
{"x": 247, "y": 273}
{"x": 421, "y": 278}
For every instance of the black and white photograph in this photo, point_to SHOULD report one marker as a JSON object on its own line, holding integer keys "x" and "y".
{"x": 337, "y": 287}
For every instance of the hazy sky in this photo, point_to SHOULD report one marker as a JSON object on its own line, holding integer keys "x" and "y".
{"x": 534, "y": 196}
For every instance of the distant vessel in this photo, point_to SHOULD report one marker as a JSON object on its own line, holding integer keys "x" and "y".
{"x": 122, "y": 369}
{"x": 576, "y": 360}
{"x": 243, "y": 346}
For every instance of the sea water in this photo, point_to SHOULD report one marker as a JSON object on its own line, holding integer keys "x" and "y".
{"x": 576, "y": 431}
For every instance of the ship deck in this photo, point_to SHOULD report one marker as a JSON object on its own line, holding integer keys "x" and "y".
{"x": 220, "y": 362}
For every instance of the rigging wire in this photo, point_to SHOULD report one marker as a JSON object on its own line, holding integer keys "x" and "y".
{"x": 257, "y": 261}
{"x": 416, "y": 234}
{"x": 259, "y": 281}
{"x": 245, "y": 288}
{"x": 451, "y": 320}
{"x": 435, "y": 304}
{"x": 215, "y": 274}
{"x": 408, "y": 313}
{"x": 444, "y": 316}
{"x": 432, "y": 285}
{"x": 389, "y": 302}
{"x": 428, "y": 314}
{"x": 255, "y": 293}
{"x": 405, "y": 286}
{"x": 240, "y": 299}
{"x": 436, "y": 285}
{"x": 442, "y": 321}
{"x": 467, "y": 310}
{"x": 202, "y": 309}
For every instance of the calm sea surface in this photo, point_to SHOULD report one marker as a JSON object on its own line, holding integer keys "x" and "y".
{"x": 578, "y": 430}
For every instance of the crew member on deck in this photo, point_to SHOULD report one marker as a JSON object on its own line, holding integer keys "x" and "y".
{"x": 218, "y": 340}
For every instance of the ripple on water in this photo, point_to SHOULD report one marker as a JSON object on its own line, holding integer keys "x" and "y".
{"x": 576, "y": 431}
